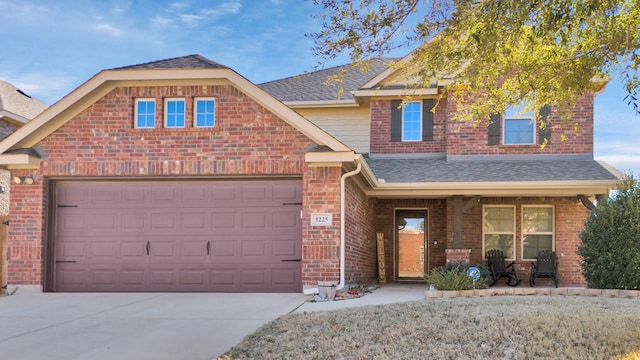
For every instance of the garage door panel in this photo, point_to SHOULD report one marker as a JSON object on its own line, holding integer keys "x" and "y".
{"x": 178, "y": 236}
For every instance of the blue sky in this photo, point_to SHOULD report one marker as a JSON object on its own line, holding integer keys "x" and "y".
{"x": 51, "y": 47}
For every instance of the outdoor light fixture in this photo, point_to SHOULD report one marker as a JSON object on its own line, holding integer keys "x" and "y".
{"x": 435, "y": 242}
{"x": 28, "y": 180}
{"x": 2, "y": 189}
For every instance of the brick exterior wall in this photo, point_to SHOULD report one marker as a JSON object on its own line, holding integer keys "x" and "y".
{"x": 381, "y": 132}
{"x": 570, "y": 215}
{"x": 321, "y": 244}
{"x": 463, "y": 138}
{"x": 361, "y": 263}
{"x": 102, "y": 142}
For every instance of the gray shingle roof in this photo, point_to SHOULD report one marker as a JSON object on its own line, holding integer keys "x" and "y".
{"x": 185, "y": 62}
{"x": 433, "y": 170}
{"x": 17, "y": 102}
{"x": 314, "y": 86}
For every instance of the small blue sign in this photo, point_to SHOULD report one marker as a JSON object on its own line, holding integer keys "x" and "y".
{"x": 473, "y": 273}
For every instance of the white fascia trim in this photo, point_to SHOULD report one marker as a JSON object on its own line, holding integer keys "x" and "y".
{"x": 329, "y": 157}
{"x": 20, "y": 161}
{"x": 524, "y": 188}
{"x": 11, "y": 117}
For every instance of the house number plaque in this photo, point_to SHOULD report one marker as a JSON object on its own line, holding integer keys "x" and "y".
{"x": 321, "y": 219}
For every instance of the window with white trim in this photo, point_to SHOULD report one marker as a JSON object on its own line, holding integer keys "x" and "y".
{"x": 145, "y": 113}
{"x": 537, "y": 230}
{"x": 204, "y": 113}
{"x": 499, "y": 229}
{"x": 174, "y": 113}
{"x": 412, "y": 121}
{"x": 518, "y": 127}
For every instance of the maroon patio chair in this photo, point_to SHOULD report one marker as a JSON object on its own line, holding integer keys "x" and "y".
{"x": 498, "y": 268}
{"x": 546, "y": 265}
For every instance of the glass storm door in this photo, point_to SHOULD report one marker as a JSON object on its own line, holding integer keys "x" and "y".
{"x": 411, "y": 244}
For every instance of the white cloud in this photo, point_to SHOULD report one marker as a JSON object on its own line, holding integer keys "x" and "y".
{"x": 231, "y": 7}
{"x": 190, "y": 20}
{"x": 108, "y": 29}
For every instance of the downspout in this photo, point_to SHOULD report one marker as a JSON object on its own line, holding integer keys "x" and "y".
{"x": 342, "y": 223}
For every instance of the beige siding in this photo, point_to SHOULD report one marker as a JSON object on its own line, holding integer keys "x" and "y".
{"x": 351, "y": 126}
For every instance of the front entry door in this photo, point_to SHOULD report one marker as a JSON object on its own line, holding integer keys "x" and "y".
{"x": 411, "y": 244}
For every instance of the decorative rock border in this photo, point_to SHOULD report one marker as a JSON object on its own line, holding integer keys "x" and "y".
{"x": 438, "y": 294}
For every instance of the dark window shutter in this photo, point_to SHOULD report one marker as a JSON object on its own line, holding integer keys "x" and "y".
{"x": 396, "y": 120}
{"x": 545, "y": 133}
{"x": 494, "y": 130}
{"x": 427, "y": 120}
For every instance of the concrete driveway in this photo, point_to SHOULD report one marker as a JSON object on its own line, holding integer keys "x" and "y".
{"x": 36, "y": 325}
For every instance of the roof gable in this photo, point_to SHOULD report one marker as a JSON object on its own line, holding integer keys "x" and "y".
{"x": 168, "y": 72}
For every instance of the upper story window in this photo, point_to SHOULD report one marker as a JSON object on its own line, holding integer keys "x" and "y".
{"x": 499, "y": 229}
{"x": 174, "y": 113}
{"x": 537, "y": 230}
{"x": 518, "y": 127}
{"x": 412, "y": 121}
{"x": 145, "y": 113}
{"x": 204, "y": 114}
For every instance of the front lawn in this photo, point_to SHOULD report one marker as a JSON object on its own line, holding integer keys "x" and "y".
{"x": 499, "y": 327}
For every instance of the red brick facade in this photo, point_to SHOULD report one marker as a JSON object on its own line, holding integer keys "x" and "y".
{"x": 250, "y": 141}
{"x": 101, "y": 142}
{"x": 466, "y": 138}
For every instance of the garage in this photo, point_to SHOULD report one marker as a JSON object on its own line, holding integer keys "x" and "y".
{"x": 177, "y": 236}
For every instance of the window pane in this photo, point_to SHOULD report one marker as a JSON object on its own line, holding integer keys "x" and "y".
{"x": 537, "y": 219}
{"x": 532, "y": 244}
{"x": 499, "y": 219}
{"x": 145, "y": 118}
{"x": 412, "y": 121}
{"x": 502, "y": 242}
{"x": 518, "y": 131}
{"x": 205, "y": 116}
{"x": 175, "y": 113}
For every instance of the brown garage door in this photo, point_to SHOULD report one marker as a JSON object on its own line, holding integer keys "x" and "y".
{"x": 235, "y": 236}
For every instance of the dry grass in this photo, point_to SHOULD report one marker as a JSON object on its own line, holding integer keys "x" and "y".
{"x": 501, "y": 327}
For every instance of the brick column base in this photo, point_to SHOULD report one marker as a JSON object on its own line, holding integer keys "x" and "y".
{"x": 458, "y": 255}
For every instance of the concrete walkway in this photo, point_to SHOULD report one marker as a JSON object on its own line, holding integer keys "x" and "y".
{"x": 386, "y": 294}
{"x": 36, "y": 325}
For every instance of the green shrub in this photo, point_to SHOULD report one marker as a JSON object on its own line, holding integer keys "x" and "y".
{"x": 453, "y": 276}
{"x": 610, "y": 241}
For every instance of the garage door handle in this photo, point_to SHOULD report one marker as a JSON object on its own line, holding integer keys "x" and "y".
{"x": 148, "y": 247}
{"x": 208, "y": 247}
{"x": 291, "y": 260}
{"x": 65, "y": 261}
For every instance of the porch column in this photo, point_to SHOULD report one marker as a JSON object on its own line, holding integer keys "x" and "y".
{"x": 457, "y": 253}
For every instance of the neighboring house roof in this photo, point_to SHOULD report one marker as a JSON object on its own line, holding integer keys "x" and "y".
{"x": 318, "y": 86}
{"x": 17, "y": 106}
{"x": 192, "y": 69}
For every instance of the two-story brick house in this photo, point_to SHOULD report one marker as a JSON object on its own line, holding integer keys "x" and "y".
{"x": 181, "y": 175}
